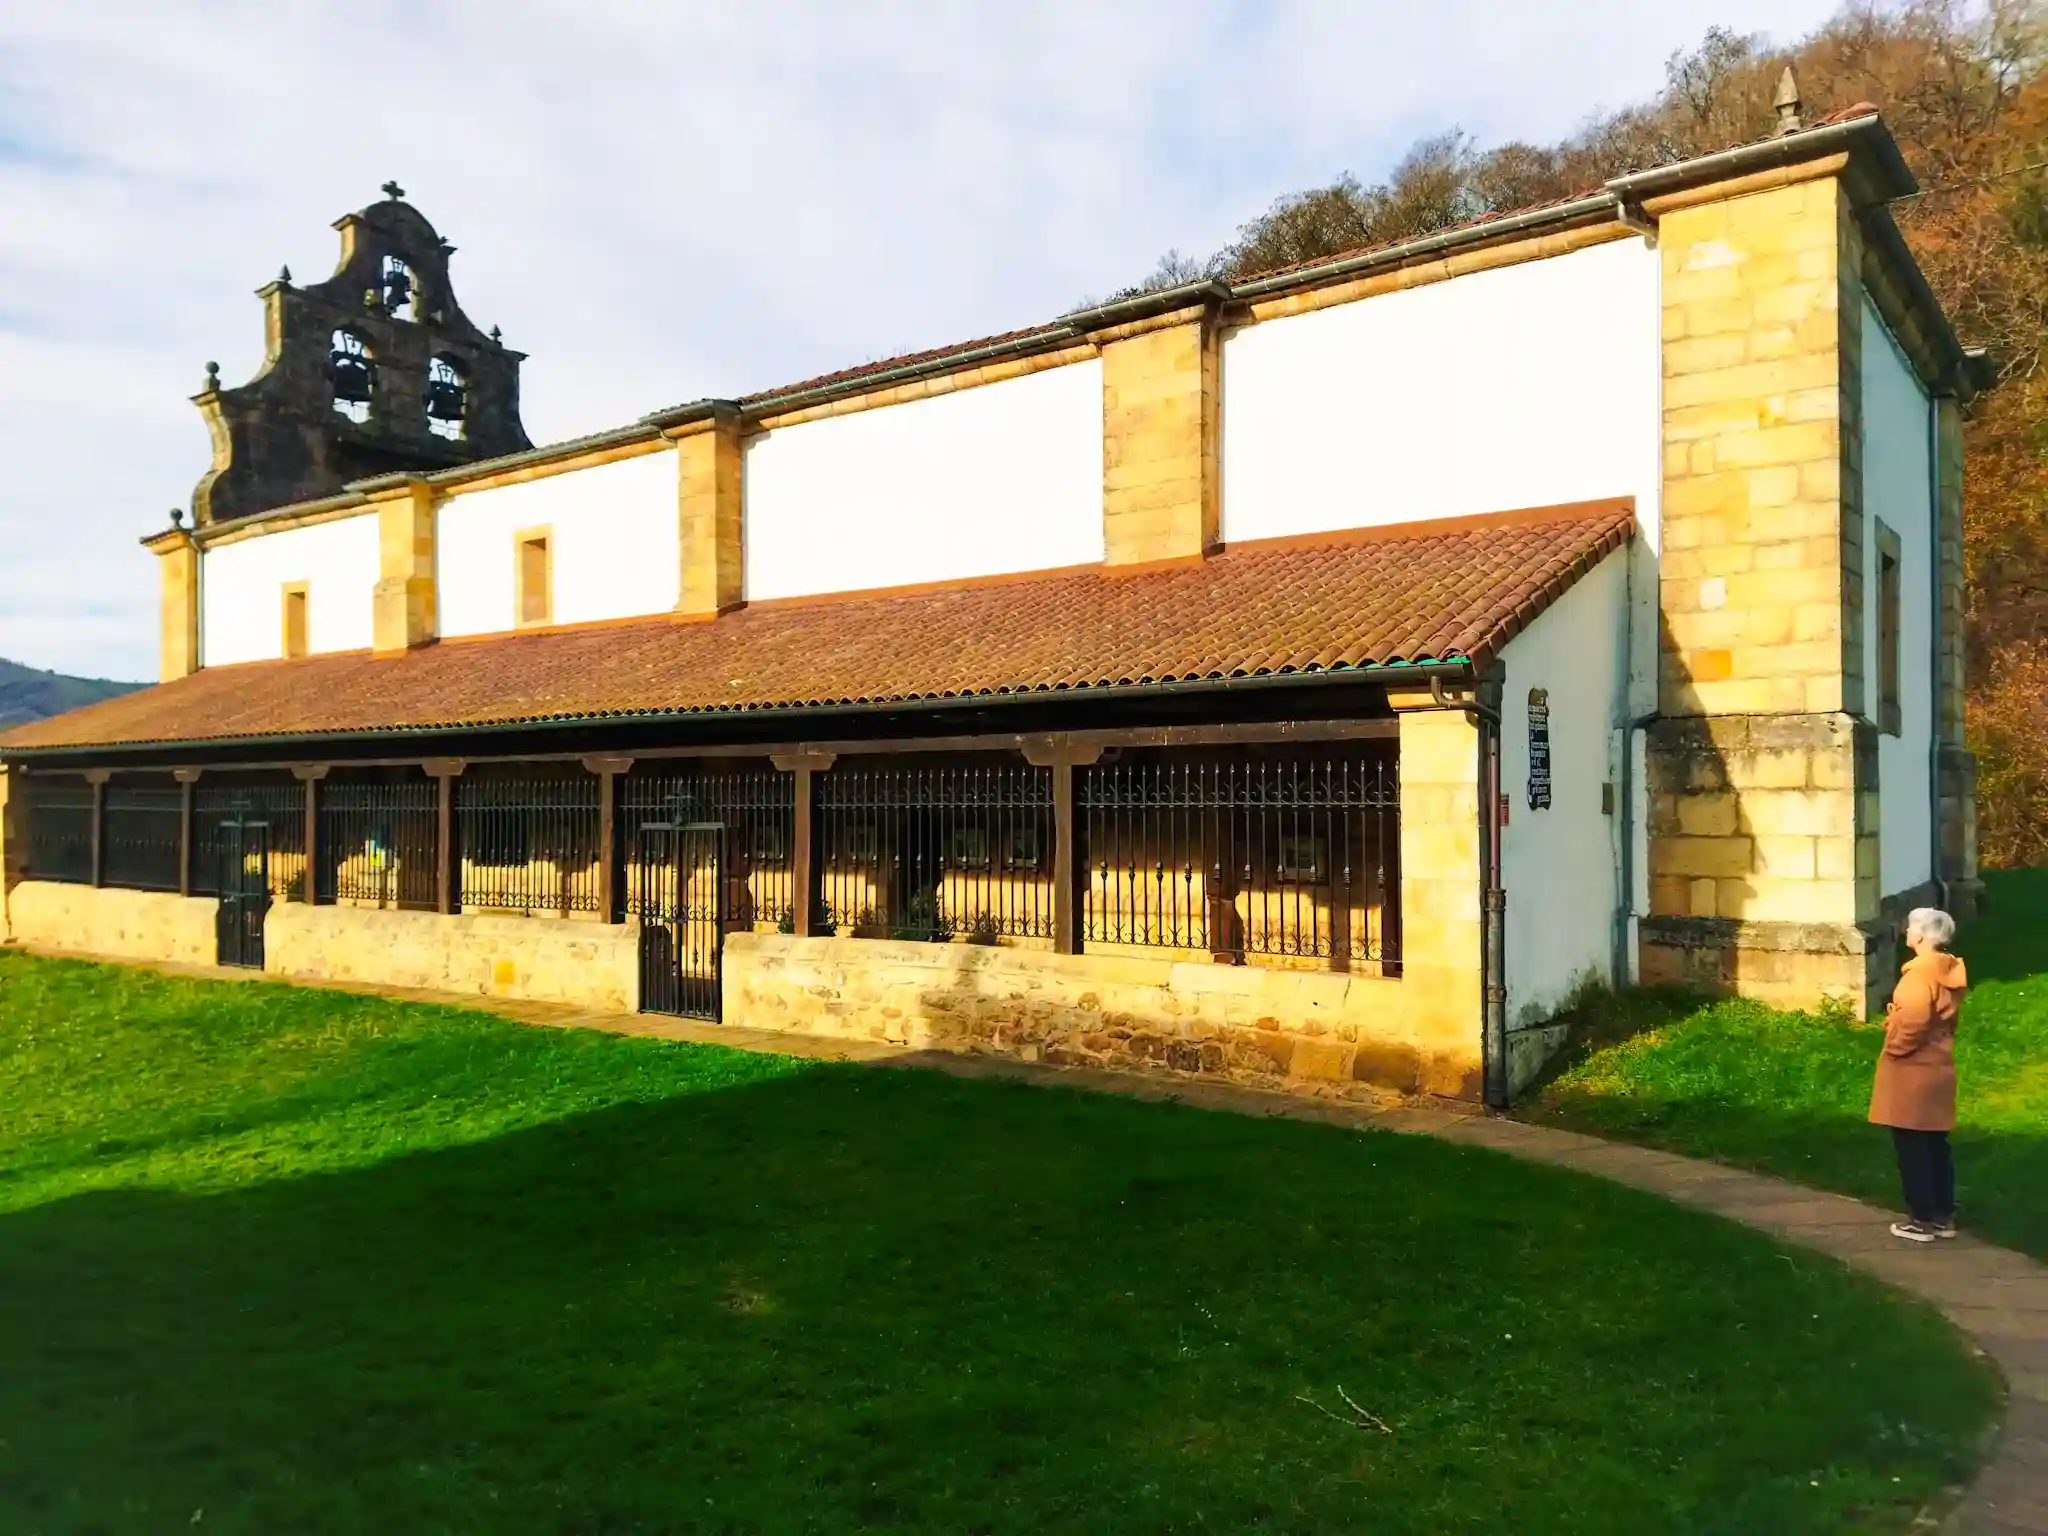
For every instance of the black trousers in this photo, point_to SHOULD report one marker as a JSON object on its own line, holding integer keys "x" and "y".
{"x": 1927, "y": 1175}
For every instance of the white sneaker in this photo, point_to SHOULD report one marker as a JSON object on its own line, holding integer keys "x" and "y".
{"x": 1913, "y": 1232}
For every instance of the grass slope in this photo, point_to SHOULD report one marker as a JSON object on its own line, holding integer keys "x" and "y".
{"x": 283, "y": 1260}
{"x": 1787, "y": 1092}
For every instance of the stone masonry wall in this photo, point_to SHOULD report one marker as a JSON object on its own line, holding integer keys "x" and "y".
{"x": 123, "y": 925}
{"x": 540, "y": 959}
{"x": 178, "y": 605}
{"x": 1246, "y": 1023}
{"x": 1420, "y": 1032}
{"x": 708, "y": 507}
{"x": 1160, "y": 439}
{"x": 1763, "y": 773}
{"x": 10, "y": 874}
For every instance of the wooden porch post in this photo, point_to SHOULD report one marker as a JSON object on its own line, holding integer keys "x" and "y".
{"x": 611, "y": 867}
{"x": 187, "y": 778}
{"x": 803, "y": 874}
{"x": 1061, "y": 754}
{"x": 97, "y": 778}
{"x": 310, "y": 775}
{"x": 445, "y": 771}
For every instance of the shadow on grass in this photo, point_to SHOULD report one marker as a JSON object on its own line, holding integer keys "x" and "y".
{"x": 848, "y": 1300}
{"x": 1789, "y": 1093}
{"x": 2009, "y": 939}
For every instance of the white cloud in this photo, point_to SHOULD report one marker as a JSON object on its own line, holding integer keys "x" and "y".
{"x": 662, "y": 202}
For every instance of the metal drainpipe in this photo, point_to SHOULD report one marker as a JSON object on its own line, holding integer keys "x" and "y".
{"x": 1493, "y": 897}
{"x": 1935, "y": 692}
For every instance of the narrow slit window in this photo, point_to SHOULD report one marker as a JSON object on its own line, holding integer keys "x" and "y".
{"x": 1889, "y": 712}
{"x": 295, "y": 619}
{"x": 535, "y": 579}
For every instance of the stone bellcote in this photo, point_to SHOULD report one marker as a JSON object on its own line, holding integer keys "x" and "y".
{"x": 374, "y": 371}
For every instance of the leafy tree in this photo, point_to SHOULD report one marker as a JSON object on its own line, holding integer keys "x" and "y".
{"x": 1964, "y": 88}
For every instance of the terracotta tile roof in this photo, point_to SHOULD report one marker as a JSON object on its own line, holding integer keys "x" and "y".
{"x": 1410, "y": 593}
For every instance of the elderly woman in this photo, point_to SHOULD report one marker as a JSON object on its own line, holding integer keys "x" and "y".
{"x": 1915, "y": 1091}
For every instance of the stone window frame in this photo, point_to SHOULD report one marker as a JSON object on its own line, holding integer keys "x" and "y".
{"x": 1890, "y": 618}
{"x": 295, "y": 620}
{"x": 533, "y": 577}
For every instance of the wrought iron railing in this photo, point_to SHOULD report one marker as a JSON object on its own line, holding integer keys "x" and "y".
{"x": 934, "y": 849}
{"x": 529, "y": 844}
{"x": 1289, "y": 858}
{"x": 56, "y": 815}
{"x": 142, "y": 840}
{"x": 278, "y": 806}
{"x": 756, "y": 806}
{"x": 377, "y": 842}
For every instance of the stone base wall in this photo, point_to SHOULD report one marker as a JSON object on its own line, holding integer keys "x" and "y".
{"x": 1958, "y": 771}
{"x": 1272, "y": 1027}
{"x": 1788, "y": 965}
{"x": 123, "y": 925}
{"x": 539, "y": 959}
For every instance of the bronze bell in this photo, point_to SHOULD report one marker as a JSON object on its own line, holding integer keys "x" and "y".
{"x": 397, "y": 287}
{"x": 447, "y": 398}
{"x": 351, "y": 374}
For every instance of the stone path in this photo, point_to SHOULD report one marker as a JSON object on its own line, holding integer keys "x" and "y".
{"x": 1996, "y": 1297}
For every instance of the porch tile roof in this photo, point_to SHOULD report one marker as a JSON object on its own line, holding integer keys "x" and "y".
{"x": 1410, "y": 593}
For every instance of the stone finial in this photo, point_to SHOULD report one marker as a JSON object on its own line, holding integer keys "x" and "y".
{"x": 497, "y": 335}
{"x": 392, "y": 190}
{"x": 284, "y": 274}
{"x": 1787, "y": 103}
{"x": 213, "y": 376}
{"x": 177, "y": 517}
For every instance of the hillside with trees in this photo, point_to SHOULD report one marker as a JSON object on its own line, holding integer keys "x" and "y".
{"x": 1963, "y": 89}
{"x": 27, "y": 694}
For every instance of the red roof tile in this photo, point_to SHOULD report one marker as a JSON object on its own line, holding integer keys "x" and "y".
{"x": 1411, "y": 593}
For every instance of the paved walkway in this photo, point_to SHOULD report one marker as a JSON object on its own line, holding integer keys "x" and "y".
{"x": 1997, "y": 1297}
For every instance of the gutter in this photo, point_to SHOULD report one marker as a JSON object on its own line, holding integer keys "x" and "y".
{"x": 1435, "y": 671}
{"x": 1594, "y": 205}
{"x": 1769, "y": 154}
{"x": 1934, "y": 871}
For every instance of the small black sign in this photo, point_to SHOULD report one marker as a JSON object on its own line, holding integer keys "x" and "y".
{"x": 1539, "y": 749}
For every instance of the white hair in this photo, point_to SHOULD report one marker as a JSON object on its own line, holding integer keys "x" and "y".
{"x": 1932, "y": 924}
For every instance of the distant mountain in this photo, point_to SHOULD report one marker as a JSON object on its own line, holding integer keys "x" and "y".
{"x": 26, "y": 694}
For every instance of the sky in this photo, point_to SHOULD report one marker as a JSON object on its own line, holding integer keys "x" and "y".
{"x": 663, "y": 202}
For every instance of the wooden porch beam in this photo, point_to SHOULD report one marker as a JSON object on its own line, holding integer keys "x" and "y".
{"x": 310, "y": 775}
{"x": 611, "y": 868}
{"x": 97, "y": 778}
{"x": 1272, "y": 731}
{"x": 186, "y": 778}
{"x": 1061, "y": 754}
{"x": 444, "y": 771}
{"x": 804, "y": 763}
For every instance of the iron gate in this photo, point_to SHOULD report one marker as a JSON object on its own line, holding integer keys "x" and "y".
{"x": 242, "y": 848}
{"x": 679, "y": 897}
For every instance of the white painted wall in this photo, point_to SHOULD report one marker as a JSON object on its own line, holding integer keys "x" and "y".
{"x": 241, "y": 590}
{"x": 614, "y": 543}
{"x": 1897, "y": 489}
{"x": 1561, "y": 867}
{"x": 1004, "y": 477}
{"x": 1525, "y": 386}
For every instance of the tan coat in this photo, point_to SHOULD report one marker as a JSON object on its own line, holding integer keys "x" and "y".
{"x": 1916, "y": 1076}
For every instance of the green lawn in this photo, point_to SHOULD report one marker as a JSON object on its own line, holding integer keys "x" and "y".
{"x": 1787, "y": 1092}
{"x": 276, "y": 1260}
